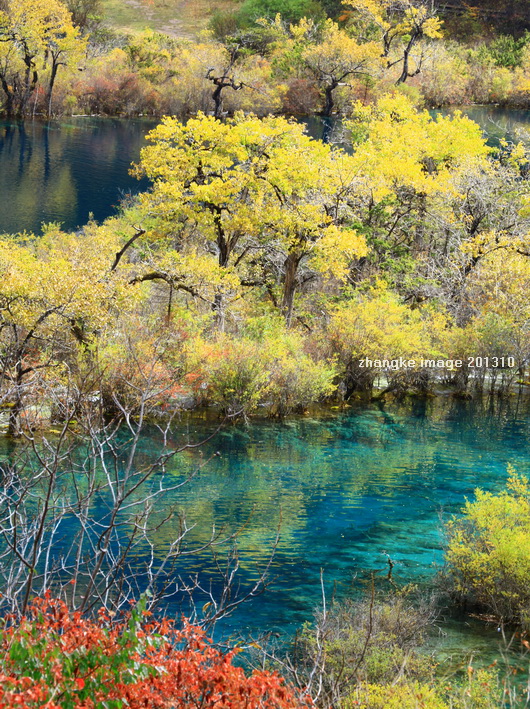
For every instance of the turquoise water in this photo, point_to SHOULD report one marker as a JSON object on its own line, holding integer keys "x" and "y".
{"x": 346, "y": 488}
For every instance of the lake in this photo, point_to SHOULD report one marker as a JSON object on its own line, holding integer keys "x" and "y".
{"x": 347, "y": 488}
{"x": 63, "y": 172}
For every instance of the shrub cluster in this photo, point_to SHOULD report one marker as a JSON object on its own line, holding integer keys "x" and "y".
{"x": 61, "y": 660}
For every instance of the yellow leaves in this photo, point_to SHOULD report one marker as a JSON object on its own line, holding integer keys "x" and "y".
{"x": 407, "y": 694}
{"x": 432, "y": 28}
{"x": 43, "y": 25}
{"x": 200, "y": 274}
{"x": 374, "y": 9}
{"x": 302, "y": 30}
{"x": 339, "y": 55}
{"x": 489, "y": 549}
{"x": 66, "y": 275}
{"x": 379, "y": 326}
{"x": 401, "y": 146}
{"x": 401, "y": 17}
{"x": 336, "y": 249}
{"x": 249, "y": 183}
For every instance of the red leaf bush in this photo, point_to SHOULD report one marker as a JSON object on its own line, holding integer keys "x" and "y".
{"x": 57, "y": 659}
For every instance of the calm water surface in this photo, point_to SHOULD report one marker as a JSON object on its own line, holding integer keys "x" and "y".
{"x": 347, "y": 488}
{"x": 64, "y": 171}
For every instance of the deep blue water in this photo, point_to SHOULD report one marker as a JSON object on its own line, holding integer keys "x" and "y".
{"x": 63, "y": 172}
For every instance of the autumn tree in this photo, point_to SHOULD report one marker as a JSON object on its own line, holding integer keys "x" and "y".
{"x": 476, "y": 237}
{"x": 224, "y": 78}
{"x": 379, "y": 326}
{"x": 488, "y": 552}
{"x": 248, "y": 189}
{"x": 55, "y": 294}
{"x": 36, "y": 38}
{"x": 336, "y": 59}
{"x": 409, "y": 162}
{"x": 398, "y": 26}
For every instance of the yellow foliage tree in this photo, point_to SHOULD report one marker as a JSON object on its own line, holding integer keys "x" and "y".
{"x": 55, "y": 294}
{"x": 398, "y": 146}
{"x": 248, "y": 187}
{"x": 365, "y": 331}
{"x": 489, "y": 551}
{"x": 34, "y": 35}
{"x": 336, "y": 59}
{"x": 399, "y": 25}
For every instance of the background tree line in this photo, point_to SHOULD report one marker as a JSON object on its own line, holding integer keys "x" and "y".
{"x": 57, "y": 59}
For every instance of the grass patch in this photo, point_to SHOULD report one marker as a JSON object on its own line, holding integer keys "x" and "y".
{"x": 181, "y": 18}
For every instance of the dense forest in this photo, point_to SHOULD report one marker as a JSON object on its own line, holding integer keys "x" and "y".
{"x": 262, "y": 273}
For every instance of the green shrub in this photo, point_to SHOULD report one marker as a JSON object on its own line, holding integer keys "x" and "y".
{"x": 405, "y": 695}
{"x": 360, "y": 643}
{"x": 507, "y": 51}
{"x": 267, "y": 368}
{"x": 488, "y": 552}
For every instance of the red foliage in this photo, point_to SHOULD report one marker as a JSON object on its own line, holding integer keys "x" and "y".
{"x": 56, "y": 659}
{"x": 116, "y": 94}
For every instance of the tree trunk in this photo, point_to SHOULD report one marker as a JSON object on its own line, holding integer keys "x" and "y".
{"x": 405, "y": 71}
{"x": 218, "y": 101}
{"x": 289, "y": 286}
{"x": 219, "y": 310}
{"x": 31, "y": 79}
{"x": 329, "y": 102}
{"x": 224, "y": 257}
{"x": 14, "y": 414}
{"x": 51, "y": 84}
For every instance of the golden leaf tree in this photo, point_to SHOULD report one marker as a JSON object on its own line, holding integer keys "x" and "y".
{"x": 338, "y": 58}
{"x": 252, "y": 195}
{"x": 37, "y": 37}
{"x": 398, "y": 26}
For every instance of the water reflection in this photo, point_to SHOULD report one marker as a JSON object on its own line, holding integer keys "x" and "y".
{"x": 498, "y": 123}
{"x": 346, "y": 488}
{"x": 65, "y": 171}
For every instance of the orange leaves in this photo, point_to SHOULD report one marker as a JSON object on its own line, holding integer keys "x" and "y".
{"x": 56, "y": 659}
